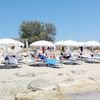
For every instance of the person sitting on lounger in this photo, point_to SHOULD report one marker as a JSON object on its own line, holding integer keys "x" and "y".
{"x": 61, "y": 56}
{"x": 72, "y": 56}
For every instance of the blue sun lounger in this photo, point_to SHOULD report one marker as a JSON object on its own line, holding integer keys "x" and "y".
{"x": 52, "y": 62}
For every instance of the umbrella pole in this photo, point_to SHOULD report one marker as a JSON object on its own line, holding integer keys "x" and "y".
{"x": 27, "y": 43}
{"x": 6, "y": 49}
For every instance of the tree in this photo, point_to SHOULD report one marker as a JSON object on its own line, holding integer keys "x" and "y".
{"x": 34, "y": 30}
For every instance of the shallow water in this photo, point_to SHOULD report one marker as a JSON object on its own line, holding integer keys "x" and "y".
{"x": 94, "y": 95}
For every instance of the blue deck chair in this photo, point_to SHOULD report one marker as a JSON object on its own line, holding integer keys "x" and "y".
{"x": 52, "y": 62}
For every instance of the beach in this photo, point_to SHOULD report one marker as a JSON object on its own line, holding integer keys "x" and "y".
{"x": 72, "y": 80}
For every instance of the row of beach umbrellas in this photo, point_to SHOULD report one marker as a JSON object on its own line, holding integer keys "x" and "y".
{"x": 42, "y": 43}
{"x": 66, "y": 43}
{"x": 8, "y": 41}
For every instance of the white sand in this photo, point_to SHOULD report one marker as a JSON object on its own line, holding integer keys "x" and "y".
{"x": 75, "y": 78}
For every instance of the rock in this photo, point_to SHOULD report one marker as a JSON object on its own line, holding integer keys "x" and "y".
{"x": 42, "y": 95}
{"x": 42, "y": 84}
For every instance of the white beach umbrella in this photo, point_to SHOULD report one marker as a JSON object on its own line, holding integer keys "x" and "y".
{"x": 66, "y": 43}
{"x": 8, "y": 42}
{"x": 71, "y": 43}
{"x": 92, "y": 44}
{"x": 60, "y": 43}
{"x": 42, "y": 43}
{"x": 81, "y": 44}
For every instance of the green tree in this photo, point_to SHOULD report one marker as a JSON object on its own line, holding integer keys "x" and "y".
{"x": 35, "y": 30}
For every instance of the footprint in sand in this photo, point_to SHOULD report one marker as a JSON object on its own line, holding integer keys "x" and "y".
{"x": 91, "y": 78}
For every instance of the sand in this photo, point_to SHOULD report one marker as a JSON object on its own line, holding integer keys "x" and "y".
{"x": 72, "y": 79}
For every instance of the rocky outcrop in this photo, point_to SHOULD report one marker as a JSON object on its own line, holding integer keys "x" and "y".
{"x": 42, "y": 95}
{"x": 42, "y": 84}
{"x": 42, "y": 90}
{"x": 65, "y": 92}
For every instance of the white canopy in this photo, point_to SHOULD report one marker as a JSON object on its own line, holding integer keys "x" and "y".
{"x": 92, "y": 44}
{"x": 81, "y": 43}
{"x": 60, "y": 43}
{"x": 10, "y": 42}
{"x": 67, "y": 43}
{"x": 71, "y": 43}
{"x": 42, "y": 43}
{"x": 7, "y": 41}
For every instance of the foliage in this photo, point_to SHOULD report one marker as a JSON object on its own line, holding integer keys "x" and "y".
{"x": 35, "y": 30}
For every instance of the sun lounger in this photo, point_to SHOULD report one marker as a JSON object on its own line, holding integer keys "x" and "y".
{"x": 13, "y": 63}
{"x": 53, "y": 62}
{"x": 31, "y": 62}
{"x": 71, "y": 62}
{"x": 92, "y": 60}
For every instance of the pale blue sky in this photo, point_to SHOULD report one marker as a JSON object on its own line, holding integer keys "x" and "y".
{"x": 74, "y": 19}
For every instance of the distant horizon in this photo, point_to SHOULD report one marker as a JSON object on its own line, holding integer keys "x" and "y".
{"x": 77, "y": 20}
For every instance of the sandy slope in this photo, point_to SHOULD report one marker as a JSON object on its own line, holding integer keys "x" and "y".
{"x": 76, "y": 78}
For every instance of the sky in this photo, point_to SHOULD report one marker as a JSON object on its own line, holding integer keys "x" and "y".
{"x": 77, "y": 20}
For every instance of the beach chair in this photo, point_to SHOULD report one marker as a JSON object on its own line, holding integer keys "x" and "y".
{"x": 92, "y": 60}
{"x": 97, "y": 56}
{"x": 71, "y": 61}
{"x": 13, "y": 63}
{"x": 2, "y": 65}
{"x": 34, "y": 62}
{"x": 31, "y": 62}
{"x": 53, "y": 63}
